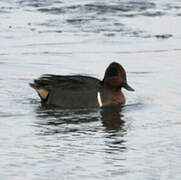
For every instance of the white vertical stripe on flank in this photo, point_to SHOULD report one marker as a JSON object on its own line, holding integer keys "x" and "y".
{"x": 99, "y": 99}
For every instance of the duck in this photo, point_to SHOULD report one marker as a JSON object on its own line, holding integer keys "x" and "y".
{"x": 81, "y": 91}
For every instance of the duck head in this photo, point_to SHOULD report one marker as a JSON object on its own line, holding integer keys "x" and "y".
{"x": 115, "y": 78}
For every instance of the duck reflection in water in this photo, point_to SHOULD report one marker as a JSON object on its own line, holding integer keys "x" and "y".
{"x": 55, "y": 120}
{"x": 88, "y": 122}
{"x": 111, "y": 118}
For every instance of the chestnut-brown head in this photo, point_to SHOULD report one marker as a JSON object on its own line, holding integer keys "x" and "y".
{"x": 115, "y": 78}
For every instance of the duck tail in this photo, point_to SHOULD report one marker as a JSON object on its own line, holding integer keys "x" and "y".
{"x": 32, "y": 85}
{"x": 43, "y": 93}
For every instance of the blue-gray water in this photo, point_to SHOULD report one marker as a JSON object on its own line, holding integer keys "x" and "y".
{"x": 140, "y": 141}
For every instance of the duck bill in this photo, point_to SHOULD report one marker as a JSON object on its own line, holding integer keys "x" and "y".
{"x": 127, "y": 87}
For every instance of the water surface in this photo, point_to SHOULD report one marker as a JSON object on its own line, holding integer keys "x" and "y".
{"x": 138, "y": 141}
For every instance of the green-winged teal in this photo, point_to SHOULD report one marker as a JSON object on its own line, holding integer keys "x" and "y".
{"x": 78, "y": 91}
